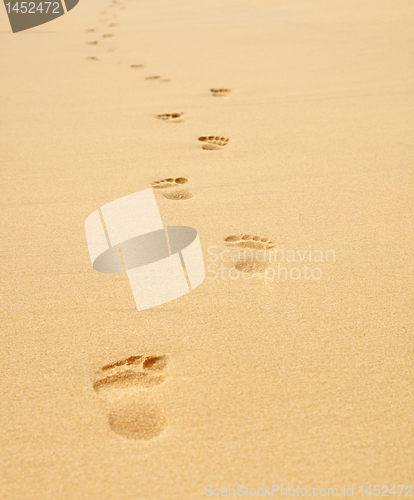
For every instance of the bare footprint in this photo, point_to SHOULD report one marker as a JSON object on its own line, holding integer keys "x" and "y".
{"x": 90, "y": 30}
{"x": 92, "y": 58}
{"x": 135, "y": 371}
{"x": 174, "y": 189}
{"x": 137, "y": 66}
{"x": 155, "y": 77}
{"x": 179, "y": 195}
{"x": 251, "y": 266}
{"x": 220, "y": 92}
{"x": 124, "y": 385}
{"x": 212, "y": 142}
{"x": 108, "y": 35}
{"x": 171, "y": 117}
{"x": 170, "y": 182}
{"x": 248, "y": 241}
{"x": 92, "y": 43}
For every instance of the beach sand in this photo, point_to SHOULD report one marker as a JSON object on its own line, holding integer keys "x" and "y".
{"x": 271, "y": 378}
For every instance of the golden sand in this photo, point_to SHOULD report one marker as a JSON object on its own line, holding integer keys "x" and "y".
{"x": 292, "y": 377}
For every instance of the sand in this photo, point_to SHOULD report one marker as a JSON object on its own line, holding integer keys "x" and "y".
{"x": 259, "y": 378}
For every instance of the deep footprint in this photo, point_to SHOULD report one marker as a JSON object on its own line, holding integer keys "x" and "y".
{"x": 220, "y": 92}
{"x": 171, "y": 117}
{"x": 212, "y": 142}
{"x": 248, "y": 241}
{"x": 133, "y": 372}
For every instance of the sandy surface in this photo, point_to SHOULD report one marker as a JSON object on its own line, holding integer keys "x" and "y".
{"x": 302, "y": 382}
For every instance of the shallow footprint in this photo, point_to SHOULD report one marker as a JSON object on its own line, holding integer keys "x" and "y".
{"x": 92, "y": 58}
{"x": 137, "y": 66}
{"x": 220, "y": 92}
{"x": 133, "y": 372}
{"x": 155, "y": 77}
{"x": 132, "y": 414}
{"x": 170, "y": 182}
{"x": 251, "y": 266}
{"x": 174, "y": 189}
{"x": 92, "y": 43}
{"x": 171, "y": 117}
{"x": 90, "y": 30}
{"x": 179, "y": 195}
{"x": 107, "y": 35}
{"x": 248, "y": 241}
{"x": 134, "y": 419}
{"x": 212, "y": 142}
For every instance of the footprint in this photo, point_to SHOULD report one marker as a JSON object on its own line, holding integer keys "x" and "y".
{"x": 174, "y": 188}
{"x": 135, "y": 371}
{"x": 107, "y": 35}
{"x": 248, "y": 241}
{"x": 92, "y": 43}
{"x": 112, "y": 25}
{"x": 220, "y": 92}
{"x": 92, "y": 58}
{"x": 172, "y": 117}
{"x": 90, "y": 30}
{"x": 152, "y": 77}
{"x": 137, "y": 66}
{"x": 179, "y": 195}
{"x": 251, "y": 266}
{"x": 124, "y": 385}
{"x": 213, "y": 142}
{"x": 136, "y": 420}
{"x": 170, "y": 183}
